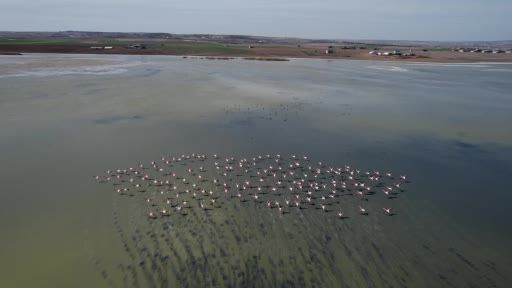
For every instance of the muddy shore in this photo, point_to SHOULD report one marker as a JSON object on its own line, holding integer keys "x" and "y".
{"x": 266, "y": 53}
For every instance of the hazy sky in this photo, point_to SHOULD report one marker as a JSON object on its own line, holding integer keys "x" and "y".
{"x": 370, "y": 19}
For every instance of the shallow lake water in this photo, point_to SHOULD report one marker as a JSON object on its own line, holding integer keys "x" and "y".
{"x": 66, "y": 118}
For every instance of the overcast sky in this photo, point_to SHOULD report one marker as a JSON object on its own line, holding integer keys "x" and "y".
{"x": 370, "y": 19}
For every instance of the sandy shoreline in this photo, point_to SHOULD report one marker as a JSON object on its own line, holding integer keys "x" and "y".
{"x": 271, "y": 54}
{"x": 278, "y": 59}
{"x": 434, "y": 60}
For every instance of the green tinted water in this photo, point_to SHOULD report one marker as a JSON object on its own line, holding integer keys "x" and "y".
{"x": 66, "y": 118}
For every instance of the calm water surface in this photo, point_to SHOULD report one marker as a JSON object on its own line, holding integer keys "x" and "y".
{"x": 66, "y": 118}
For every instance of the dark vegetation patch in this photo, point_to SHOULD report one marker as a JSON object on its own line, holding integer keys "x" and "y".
{"x": 117, "y": 118}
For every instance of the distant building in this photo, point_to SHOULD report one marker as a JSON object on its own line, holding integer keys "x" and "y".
{"x": 101, "y": 47}
{"x": 387, "y": 53}
{"x": 329, "y": 50}
{"x": 138, "y": 46}
{"x": 409, "y": 54}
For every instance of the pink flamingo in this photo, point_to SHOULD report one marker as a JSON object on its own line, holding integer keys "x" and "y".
{"x": 388, "y": 211}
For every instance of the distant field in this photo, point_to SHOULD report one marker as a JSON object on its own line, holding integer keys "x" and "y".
{"x": 181, "y": 47}
{"x": 170, "y": 47}
{"x": 188, "y": 47}
{"x": 37, "y": 42}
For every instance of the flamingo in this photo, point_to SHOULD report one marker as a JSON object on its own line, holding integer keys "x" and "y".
{"x": 388, "y": 211}
{"x": 152, "y": 215}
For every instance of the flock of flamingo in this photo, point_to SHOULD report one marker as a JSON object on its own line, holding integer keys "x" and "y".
{"x": 174, "y": 184}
